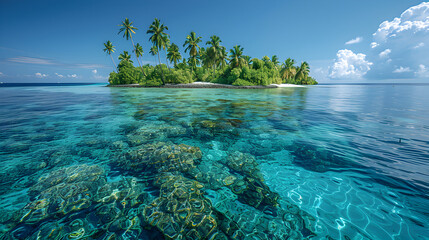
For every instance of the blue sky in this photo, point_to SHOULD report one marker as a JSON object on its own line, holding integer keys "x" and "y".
{"x": 62, "y": 41}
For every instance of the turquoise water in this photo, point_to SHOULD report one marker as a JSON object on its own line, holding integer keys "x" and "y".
{"x": 322, "y": 162}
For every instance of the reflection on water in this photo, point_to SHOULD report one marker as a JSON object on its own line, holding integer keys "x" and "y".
{"x": 320, "y": 162}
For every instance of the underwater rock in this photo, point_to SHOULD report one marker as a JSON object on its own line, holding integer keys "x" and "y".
{"x": 161, "y": 157}
{"x": 266, "y": 223}
{"x": 10, "y": 146}
{"x": 61, "y": 192}
{"x": 94, "y": 143}
{"x": 209, "y": 129}
{"x": 125, "y": 129}
{"x": 254, "y": 193}
{"x": 155, "y": 132}
{"x": 182, "y": 212}
{"x": 245, "y": 164}
{"x": 213, "y": 174}
{"x": 69, "y": 175}
{"x": 316, "y": 159}
{"x": 86, "y": 209}
{"x": 251, "y": 191}
{"x": 120, "y": 145}
{"x": 54, "y": 157}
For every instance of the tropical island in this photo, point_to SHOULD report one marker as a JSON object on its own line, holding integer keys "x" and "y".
{"x": 210, "y": 64}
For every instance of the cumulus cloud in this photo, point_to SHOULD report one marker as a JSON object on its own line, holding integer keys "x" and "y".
{"x": 40, "y": 75}
{"x": 422, "y": 71}
{"x": 1, "y": 74}
{"x": 402, "y": 70}
{"x": 385, "y": 53}
{"x": 72, "y": 75}
{"x": 94, "y": 71}
{"x": 399, "y": 37}
{"x": 413, "y": 20}
{"x": 350, "y": 65}
{"x": 354, "y": 41}
{"x": 59, "y": 75}
{"x": 374, "y": 45}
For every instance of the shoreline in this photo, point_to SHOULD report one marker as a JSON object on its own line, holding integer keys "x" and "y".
{"x": 206, "y": 85}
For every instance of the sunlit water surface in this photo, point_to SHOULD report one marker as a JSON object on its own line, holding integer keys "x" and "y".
{"x": 355, "y": 158}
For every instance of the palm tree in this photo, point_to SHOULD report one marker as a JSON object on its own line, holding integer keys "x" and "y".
{"x": 247, "y": 60}
{"x": 207, "y": 57}
{"x": 275, "y": 60}
{"x": 128, "y": 29}
{"x": 213, "y": 51}
{"x": 109, "y": 49}
{"x": 159, "y": 39}
{"x": 288, "y": 71}
{"x": 153, "y": 51}
{"x": 173, "y": 54}
{"x": 223, "y": 57}
{"x": 191, "y": 45}
{"x": 236, "y": 56}
{"x": 302, "y": 72}
{"x": 167, "y": 45}
{"x": 138, "y": 50}
{"x": 125, "y": 57}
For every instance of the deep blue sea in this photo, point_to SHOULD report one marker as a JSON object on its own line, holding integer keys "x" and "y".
{"x": 320, "y": 162}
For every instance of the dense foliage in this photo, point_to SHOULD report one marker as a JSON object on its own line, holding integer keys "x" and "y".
{"x": 211, "y": 64}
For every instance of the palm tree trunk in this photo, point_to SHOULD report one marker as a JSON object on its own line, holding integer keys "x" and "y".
{"x": 162, "y": 72}
{"x": 214, "y": 70}
{"x": 166, "y": 60}
{"x": 113, "y": 62}
{"x": 138, "y": 60}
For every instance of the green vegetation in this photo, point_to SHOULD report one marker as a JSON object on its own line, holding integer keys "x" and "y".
{"x": 211, "y": 64}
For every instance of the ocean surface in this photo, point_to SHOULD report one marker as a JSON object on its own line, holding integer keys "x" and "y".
{"x": 321, "y": 162}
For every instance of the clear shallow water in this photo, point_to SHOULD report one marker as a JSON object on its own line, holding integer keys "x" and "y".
{"x": 354, "y": 158}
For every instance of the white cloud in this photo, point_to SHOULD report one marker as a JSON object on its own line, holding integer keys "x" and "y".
{"x": 414, "y": 19}
{"x": 59, "y": 75}
{"x": 400, "y": 35}
{"x": 31, "y": 60}
{"x": 40, "y": 75}
{"x": 1, "y": 74}
{"x": 72, "y": 76}
{"x": 419, "y": 45}
{"x": 350, "y": 65}
{"x": 94, "y": 71}
{"x": 354, "y": 41}
{"x": 385, "y": 53}
{"x": 422, "y": 71}
{"x": 402, "y": 70}
{"x": 44, "y": 61}
{"x": 90, "y": 66}
{"x": 374, "y": 45}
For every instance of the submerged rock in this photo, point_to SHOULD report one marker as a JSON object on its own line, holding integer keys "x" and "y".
{"x": 161, "y": 157}
{"x": 248, "y": 189}
{"x": 182, "y": 212}
{"x": 209, "y": 129}
{"x": 245, "y": 164}
{"x": 62, "y": 192}
{"x": 155, "y": 132}
{"x": 317, "y": 159}
{"x": 82, "y": 205}
{"x": 69, "y": 175}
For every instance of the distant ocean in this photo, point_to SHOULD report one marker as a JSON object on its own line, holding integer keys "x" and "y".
{"x": 44, "y": 84}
